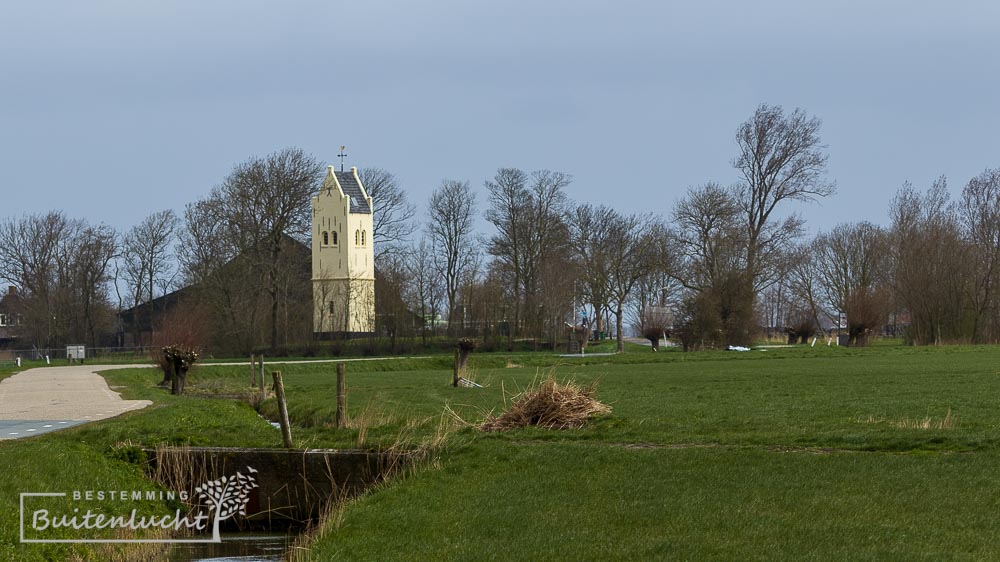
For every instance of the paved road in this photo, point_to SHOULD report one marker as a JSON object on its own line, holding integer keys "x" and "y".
{"x": 49, "y": 398}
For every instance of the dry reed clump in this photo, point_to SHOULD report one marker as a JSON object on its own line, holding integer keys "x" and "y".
{"x": 550, "y": 405}
{"x": 948, "y": 422}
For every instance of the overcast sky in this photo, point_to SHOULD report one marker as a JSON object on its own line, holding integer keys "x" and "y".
{"x": 114, "y": 110}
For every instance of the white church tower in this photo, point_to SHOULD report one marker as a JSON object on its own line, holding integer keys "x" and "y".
{"x": 343, "y": 258}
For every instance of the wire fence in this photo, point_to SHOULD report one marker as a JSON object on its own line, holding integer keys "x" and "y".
{"x": 91, "y": 353}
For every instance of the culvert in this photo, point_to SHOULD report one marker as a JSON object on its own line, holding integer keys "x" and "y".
{"x": 293, "y": 486}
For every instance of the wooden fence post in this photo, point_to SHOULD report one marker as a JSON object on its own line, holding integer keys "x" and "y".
{"x": 279, "y": 391}
{"x": 253, "y": 372}
{"x": 262, "y": 370}
{"x": 341, "y": 395}
{"x": 454, "y": 378}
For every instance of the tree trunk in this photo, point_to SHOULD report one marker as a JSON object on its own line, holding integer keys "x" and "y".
{"x": 423, "y": 327}
{"x": 274, "y": 322}
{"x": 463, "y": 360}
{"x": 618, "y": 326}
{"x": 180, "y": 376}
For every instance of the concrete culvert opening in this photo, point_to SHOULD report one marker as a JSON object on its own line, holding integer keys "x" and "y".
{"x": 293, "y": 486}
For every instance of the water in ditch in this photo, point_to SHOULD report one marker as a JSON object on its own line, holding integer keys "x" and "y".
{"x": 244, "y": 547}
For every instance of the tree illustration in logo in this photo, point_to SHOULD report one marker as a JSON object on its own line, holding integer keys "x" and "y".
{"x": 227, "y": 496}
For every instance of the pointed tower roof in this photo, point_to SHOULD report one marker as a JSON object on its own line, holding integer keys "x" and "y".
{"x": 349, "y": 184}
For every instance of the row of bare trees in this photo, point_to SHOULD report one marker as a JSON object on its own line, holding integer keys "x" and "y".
{"x": 61, "y": 268}
{"x": 729, "y": 261}
{"x": 520, "y": 282}
{"x": 732, "y": 261}
{"x": 932, "y": 275}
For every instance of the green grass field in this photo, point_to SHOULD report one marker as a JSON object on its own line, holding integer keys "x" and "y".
{"x": 822, "y": 453}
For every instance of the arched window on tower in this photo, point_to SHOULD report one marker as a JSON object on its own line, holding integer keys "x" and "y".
{"x": 357, "y": 237}
{"x": 334, "y": 237}
{"x": 362, "y": 237}
{"x": 326, "y": 238}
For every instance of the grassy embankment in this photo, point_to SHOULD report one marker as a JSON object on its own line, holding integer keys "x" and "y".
{"x": 887, "y": 453}
{"x": 815, "y": 452}
{"x": 103, "y": 456}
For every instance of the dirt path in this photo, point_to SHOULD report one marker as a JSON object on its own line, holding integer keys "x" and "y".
{"x": 50, "y": 398}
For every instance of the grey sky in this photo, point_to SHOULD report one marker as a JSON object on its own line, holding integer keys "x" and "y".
{"x": 114, "y": 110}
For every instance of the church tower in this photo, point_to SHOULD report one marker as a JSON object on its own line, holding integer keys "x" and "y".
{"x": 343, "y": 258}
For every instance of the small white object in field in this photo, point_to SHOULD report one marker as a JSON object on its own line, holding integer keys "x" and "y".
{"x": 462, "y": 381}
{"x": 738, "y": 348}
{"x": 813, "y": 343}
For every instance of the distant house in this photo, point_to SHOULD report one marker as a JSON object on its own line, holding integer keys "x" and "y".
{"x": 136, "y": 325}
{"x": 191, "y": 308}
{"x": 10, "y": 305}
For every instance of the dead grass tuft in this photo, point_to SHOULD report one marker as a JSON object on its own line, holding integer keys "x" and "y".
{"x": 947, "y": 422}
{"x": 550, "y": 405}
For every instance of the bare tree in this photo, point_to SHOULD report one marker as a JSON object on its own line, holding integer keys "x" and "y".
{"x": 392, "y": 214}
{"x": 851, "y": 262}
{"x": 95, "y": 248}
{"x": 711, "y": 244}
{"x": 781, "y": 159}
{"x": 263, "y": 201}
{"x": 930, "y": 265}
{"x": 652, "y": 323}
{"x": 425, "y": 286}
{"x": 508, "y": 207}
{"x": 451, "y": 209}
{"x": 489, "y": 305}
{"x": 587, "y": 227}
{"x": 62, "y": 269}
{"x": 805, "y": 311}
{"x": 979, "y": 212}
{"x": 637, "y": 242}
{"x": 529, "y": 213}
{"x": 146, "y": 258}
{"x": 29, "y": 256}
{"x": 709, "y": 237}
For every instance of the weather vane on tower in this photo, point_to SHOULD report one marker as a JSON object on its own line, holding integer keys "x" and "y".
{"x": 342, "y": 155}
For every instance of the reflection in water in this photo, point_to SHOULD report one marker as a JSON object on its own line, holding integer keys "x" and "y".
{"x": 244, "y": 547}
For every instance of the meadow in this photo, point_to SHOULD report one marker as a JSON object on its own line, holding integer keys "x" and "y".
{"x": 881, "y": 453}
